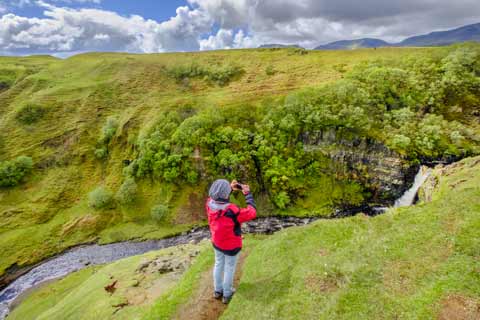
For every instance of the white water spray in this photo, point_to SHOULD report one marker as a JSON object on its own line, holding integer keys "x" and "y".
{"x": 408, "y": 197}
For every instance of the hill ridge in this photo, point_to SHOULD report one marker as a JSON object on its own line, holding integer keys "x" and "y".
{"x": 464, "y": 33}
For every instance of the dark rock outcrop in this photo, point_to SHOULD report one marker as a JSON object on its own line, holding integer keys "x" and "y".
{"x": 386, "y": 173}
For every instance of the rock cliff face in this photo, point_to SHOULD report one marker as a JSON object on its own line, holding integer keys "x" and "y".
{"x": 383, "y": 171}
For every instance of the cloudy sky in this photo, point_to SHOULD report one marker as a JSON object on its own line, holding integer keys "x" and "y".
{"x": 66, "y": 27}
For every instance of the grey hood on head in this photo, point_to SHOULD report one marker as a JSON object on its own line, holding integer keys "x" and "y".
{"x": 220, "y": 190}
{"x": 219, "y": 193}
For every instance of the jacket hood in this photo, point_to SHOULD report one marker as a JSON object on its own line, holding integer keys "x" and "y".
{"x": 216, "y": 206}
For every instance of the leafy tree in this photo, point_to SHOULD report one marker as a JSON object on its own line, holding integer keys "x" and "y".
{"x": 127, "y": 193}
{"x": 159, "y": 212}
{"x": 100, "y": 198}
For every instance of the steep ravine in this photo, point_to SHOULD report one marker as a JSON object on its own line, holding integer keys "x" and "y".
{"x": 82, "y": 256}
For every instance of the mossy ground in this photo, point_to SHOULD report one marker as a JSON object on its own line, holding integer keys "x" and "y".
{"x": 49, "y": 212}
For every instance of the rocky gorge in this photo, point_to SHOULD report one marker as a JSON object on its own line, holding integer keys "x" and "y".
{"x": 385, "y": 172}
{"x": 83, "y": 256}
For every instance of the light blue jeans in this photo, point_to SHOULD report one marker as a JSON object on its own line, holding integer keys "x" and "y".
{"x": 223, "y": 272}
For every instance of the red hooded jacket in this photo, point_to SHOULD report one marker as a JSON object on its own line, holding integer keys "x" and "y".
{"x": 225, "y": 221}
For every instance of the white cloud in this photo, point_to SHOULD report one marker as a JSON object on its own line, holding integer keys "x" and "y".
{"x": 65, "y": 29}
{"x": 310, "y": 22}
{"x": 101, "y": 36}
{"x": 228, "y": 39}
{"x": 241, "y": 23}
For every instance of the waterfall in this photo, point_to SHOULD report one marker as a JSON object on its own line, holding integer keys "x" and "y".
{"x": 408, "y": 197}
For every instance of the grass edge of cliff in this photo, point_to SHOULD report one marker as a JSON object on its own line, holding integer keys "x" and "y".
{"x": 416, "y": 262}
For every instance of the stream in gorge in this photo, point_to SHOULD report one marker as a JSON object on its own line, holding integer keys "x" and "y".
{"x": 84, "y": 255}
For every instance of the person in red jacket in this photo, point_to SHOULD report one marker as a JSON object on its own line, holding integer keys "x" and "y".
{"x": 225, "y": 219}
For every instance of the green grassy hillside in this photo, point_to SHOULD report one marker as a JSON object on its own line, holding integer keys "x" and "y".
{"x": 420, "y": 262}
{"x": 147, "y": 133}
{"x": 138, "y": 282}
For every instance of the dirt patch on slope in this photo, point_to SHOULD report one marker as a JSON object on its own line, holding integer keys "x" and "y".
{"x": 323, "y": 285}
{"x": 202, "y": 305}
{"x": 193, "y": 211}
{"x": 457, "y": 307}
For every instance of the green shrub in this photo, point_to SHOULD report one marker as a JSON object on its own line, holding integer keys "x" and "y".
{"x": 101, "y": 153}
{"x": 159, "y": 212}
{"x": 127, "y": 193}
{"x": 270, "y": 70}
{"x": 8, "y": 78}
{"x": 30, "y": 113}
{"x": 222, "y": 76}
{"x": 4, "y": 84}
{"x": 300, "y": 51}
{"x": 218, "y": 75}
{"x": 282, "y": 200}
{"x": 341, "y": 67}
{"x": 109, "y": 129}
{"x": 12, "y": 172}
{"x": 100, "y": 198}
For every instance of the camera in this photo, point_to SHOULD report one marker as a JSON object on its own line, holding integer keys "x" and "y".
{"x": 237, "y": 185}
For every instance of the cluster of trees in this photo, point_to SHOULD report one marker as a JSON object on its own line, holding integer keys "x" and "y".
{"x": 102, "y": 198}
{"x": 421, "y": 107}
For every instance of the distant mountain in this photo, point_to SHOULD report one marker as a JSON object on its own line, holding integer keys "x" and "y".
{"x": 279, "y": 46}
{"x": 438, "y": 38}
{"x": 354, "y": 44}
{"x": 442, "y": 38}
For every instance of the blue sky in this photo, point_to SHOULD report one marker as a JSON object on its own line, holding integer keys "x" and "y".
{"x": 158, "y": 10}
{"x": 66, "y": 27}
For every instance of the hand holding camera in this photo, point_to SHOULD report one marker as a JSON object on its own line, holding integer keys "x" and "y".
{"x": 245, "y": 188}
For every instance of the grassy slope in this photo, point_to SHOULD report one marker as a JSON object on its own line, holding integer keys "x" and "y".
{"x": 81, "y": 295}
{"x": 49, "y": 212}
{"x": 407, "y": 264}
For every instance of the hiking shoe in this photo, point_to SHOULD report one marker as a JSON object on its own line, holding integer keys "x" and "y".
{"x": 226, "y": 300}
{"x": 217, "y": 295}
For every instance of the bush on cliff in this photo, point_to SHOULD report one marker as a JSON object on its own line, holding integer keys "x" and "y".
{"x": 12, "y": 172}
{"x": 100, "y": 198}
{"x": 30, "y": 113}
{"x": 127, "y": 193}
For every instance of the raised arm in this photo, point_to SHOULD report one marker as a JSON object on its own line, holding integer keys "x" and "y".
{"x": 250, "y": 212}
